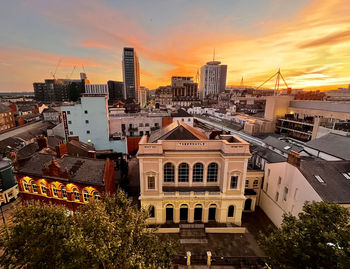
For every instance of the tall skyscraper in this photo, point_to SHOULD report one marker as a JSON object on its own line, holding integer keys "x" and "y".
{"x": 213, "y": 78}
{"x": 131, "y": 74}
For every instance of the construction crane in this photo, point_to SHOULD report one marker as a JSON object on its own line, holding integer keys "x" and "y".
{"x": 278, "y": 76}
{"x": 72, "y": 71}
{"x": 58, "y": 64}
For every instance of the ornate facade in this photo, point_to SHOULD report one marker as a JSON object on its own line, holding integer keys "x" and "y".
{"x": 186, "y": 177}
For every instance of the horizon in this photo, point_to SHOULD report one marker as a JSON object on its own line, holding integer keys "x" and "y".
{"x": 307, "y": 39}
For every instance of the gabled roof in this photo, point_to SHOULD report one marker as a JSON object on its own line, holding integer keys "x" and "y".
{"x": 50, "y": 110}
{"x": 335, "y": 187}
{"x": 177, "y": 131}
{"x": 333, "y": 144}
{"x": 81, "y": 170}
{"x": 281, "y": 145}
{"x": 269, "y": 155}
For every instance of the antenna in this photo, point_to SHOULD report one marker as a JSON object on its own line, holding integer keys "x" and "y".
{"x": 214, "y": 55}
{"x": 242, "y": 84}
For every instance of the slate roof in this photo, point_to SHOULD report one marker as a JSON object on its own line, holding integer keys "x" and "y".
{"x": 4, "y": 109}
{"x": 177, "y": 131}
{"x": 336, "y": 187}
{"x": 281, "y": 145}
{"x": 333, "y": 144}
{"x": 268, "y": 154}
{"x": 50, "y": 110}
{"x": 181, "y": 113}
{"x": 82, "y": 170}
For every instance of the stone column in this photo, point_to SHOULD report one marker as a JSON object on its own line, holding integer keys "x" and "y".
{"x": 205, "y": 214}
{"x": 190, "y": 214}
{"x": 176, "y": 214}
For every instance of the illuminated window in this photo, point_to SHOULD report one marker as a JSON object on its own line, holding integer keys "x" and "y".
{"x": 183, "y": 172}
{"x": 25, "y": 185}
{"x": 43, "y": 188}
{"x": 54, "y": 190}
{"x": 86, "y": 195}
{"x": 169, "y": 171}
{"x": 64, "y": 192}
{"x": 198, "y": 172}
{"x": 34, "y": 186}
{"x": 97, "y": 196}
{"x": 151, "y": 183}
{"x": 212, "y": 172}
{"x": 231, "y": 210}
{"x": 76, "y": 195}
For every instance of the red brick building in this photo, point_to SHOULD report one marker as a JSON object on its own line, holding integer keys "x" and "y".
{"x": 70, "y": 181}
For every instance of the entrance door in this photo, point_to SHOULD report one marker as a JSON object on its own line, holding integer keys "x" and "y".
{"x": 198, "y": 214}
{"x": 183, "y": 214}
{"x": 212, "y": 213}
{"x": 248, "y": 204}
{"x": 169, "y": 214}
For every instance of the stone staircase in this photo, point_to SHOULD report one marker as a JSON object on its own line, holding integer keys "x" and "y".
{"x": 192, "y": 234}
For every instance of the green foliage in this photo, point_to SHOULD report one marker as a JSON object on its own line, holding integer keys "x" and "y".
{"x": 108, "y": 234}
{"x": 318, "y": 238}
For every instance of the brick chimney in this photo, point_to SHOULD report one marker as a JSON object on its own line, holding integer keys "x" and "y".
{"x": 92, "y": 154}
{"x": 42, "y": 142}
{"x": 61, "y": 149}
{"x": 294, "y": 158}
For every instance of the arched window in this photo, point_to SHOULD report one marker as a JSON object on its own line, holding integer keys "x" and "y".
{"x": 169, "y": 172}
{"x": 198, "y": 172}
{"x": 34, "y": 186}
{"x": 76, "y": 195}
{"x": 231, "y": 210}
{"x": 183, "y": 172}
{"x": 97, "y": 196}
{"x": 151, "y": 211}
{"x": 25, "y": 185}
{"x": 64, "y": 192}
{"x": 212, "y": 172}
{"x": 86, "y": 195}
{"x": 43, "y": 188}
{"x": 54, "y": 190}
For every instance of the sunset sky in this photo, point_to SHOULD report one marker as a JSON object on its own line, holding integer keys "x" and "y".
{"x": 309, "y": 40}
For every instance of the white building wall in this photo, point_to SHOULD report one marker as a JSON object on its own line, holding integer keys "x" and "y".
{"x": 299, "y": 191}
{"x": 187, "y": 120}
{"x": 89, "y": 121}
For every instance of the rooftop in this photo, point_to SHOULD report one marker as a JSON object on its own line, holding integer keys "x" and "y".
{"x": 333, "y": 144}
{"x": 4, "y": 109}
{"x": 81, "y": 170}
{"x": 331, "y": 185}
{"x": 281, "y": 145}
{"x": 177, "y": 131}
{"x": 269, "y": 155}
{"x": 343, "y": 107}
{"x": 181, "y": 113}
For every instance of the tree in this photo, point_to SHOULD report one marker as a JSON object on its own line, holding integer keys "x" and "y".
{"x": 318, "y": 238}
{"x": 103, "y": 234}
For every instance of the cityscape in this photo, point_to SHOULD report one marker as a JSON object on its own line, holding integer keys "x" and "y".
{"x": 179, "y": 154}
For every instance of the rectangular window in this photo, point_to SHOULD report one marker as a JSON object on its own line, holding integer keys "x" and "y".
{"x": 234, "y": 182}
{"x": 69, "y": 122}
{"x": 268, "y": 172}
{"x": 141, "y": 124}
{"x": 147, "y": 133}
{"x": 147, "y": 124}
{"x": 285, "y": 193}
{"x": 141, "y": 133}
{"x": 88, "y": 131}
{"x": 151, "y": 183}
{"x": 123, "y": 126}
{"x": 279, "y": 180}
{"x": 85, "y": 111}
{"x": 267, "y": 187}
{"x": 156, "y": 124}
{"x": 276, "y": 196}
{"x": 71, "y": 133}
{"x": 255, "y": 183}
{"x": 68, "y": 112}
{"x": 246, "y": 183}
{"x": 86, "y": 121}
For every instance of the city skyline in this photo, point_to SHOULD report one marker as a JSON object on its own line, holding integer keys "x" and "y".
{"x": 308, "y": 40}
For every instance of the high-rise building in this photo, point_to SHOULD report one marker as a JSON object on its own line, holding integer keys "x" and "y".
{"x": 116, "y": 91}
{"x": 131, "y": 74}
{"x": 212, "y": 79}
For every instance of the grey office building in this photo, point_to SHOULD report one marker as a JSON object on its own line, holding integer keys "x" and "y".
{"x": 131, "y": 74}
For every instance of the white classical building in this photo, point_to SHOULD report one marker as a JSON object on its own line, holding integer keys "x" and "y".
{"x": 186, "y": 177}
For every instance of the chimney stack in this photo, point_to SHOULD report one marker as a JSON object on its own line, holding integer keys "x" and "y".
{"x": 294, "y": 158}
{"x": 92, "y": 154}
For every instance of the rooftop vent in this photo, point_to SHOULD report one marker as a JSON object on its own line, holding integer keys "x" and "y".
{"x": 319, "y": 179}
